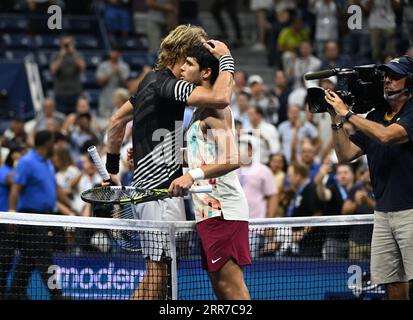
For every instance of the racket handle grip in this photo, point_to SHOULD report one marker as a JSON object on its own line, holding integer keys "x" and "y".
{"x": 98, "y": 163}
{"x": 201, "y": 189}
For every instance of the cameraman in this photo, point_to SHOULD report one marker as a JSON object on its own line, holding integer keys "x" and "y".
{"x": 386, "y": 137}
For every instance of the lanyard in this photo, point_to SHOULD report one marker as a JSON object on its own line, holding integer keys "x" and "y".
{"x": 342, "y": 190}
{"x": 291, "y": 207}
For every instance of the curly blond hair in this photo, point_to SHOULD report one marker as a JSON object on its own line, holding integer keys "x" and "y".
{"x": 176, "y": 44}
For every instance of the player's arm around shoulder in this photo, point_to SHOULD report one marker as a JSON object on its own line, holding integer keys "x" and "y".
{"x": 219, "y": 96}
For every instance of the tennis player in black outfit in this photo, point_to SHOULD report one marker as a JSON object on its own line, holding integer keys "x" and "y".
{"x": 157, "y": 111}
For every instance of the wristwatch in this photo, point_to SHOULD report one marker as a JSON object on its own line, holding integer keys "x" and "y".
{"x": 337, "y": 126}
{"x": 348, "y": 115}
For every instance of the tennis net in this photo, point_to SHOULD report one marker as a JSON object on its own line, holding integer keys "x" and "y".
{"x": 64, "y": 257}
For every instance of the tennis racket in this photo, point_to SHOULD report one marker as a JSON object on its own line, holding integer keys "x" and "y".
{"x": 117, "y": 202}
{"x": 123, "y": 195}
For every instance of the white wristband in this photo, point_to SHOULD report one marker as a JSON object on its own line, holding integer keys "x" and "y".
{"x": 197, "y": 174}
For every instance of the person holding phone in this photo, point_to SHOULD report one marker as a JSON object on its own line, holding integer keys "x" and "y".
{"x": 66, "y": 68}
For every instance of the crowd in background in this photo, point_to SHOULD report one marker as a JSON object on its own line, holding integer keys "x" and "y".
{"x": 288, "y": 167}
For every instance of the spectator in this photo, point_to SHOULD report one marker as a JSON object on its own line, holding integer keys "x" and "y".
{"x": 37, "y": 14}
{"x": 133, "y": 84}
{"x": 34, "y": 190}
{"x": 306, "y": 62}
{"x": 240, "y": 79}
{"x": 261, "y": 9}
{"x": 382, "y": 27}
{"x": 356, "y": 42}
{"x": 289, "y": 40}
{"x": 120, "y": 96}
{"x": 110, "y": 75}
{"x": 332, "y": 193}
{"x": 52, "y": 125}
{"x": 296, "y": 123}
{"x": 260, "y": 190}
{"x": 278, "y": 166}
{"x": 87, "y": 179}
{"x": 327, "y": 13}
{"x": 231, "y": 8}
{"x": 6, "y": 176}
{"x": 307, "y": 155}
{"x": 281, "y": 91}
{"x": 260, "y": 97}
{"x": 8, "y": 241}
{"x": 298, "y": 96}
{"x": 304, "y": 203}
{"x": 15, "y": 135}
{"x": 279, "y": 21}
{"x": 82, "y": 133}
{"x": 66, "y": 175}
{"x": 66, "y": 68}
{"x": 332, "y": 58}
{"x": 117, "y": 18}
{"x": 49, "y": 112}
{"x": 265, "y": 133}
{"x": 241, "y": 111}
{"x": 162, "y": 17}
{"x": 257, "y": 182}
{"x": 360, "y": 201}
{"x": 82, "y": 106}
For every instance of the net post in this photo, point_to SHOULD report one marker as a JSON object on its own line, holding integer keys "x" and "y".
{"x": 173, "y": 262}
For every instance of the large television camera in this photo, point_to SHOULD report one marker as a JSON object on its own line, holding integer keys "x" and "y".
{"x": 361, "y": 88}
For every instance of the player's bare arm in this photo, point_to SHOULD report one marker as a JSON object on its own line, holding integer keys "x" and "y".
{"x": 14, "y": 196}
{"x": 116, "y": 132}
{"x": 219, "y": 96}
{"x": 117, "y": 125}
{"x": 392, "y": 134}
{"x": 218, "y": 124}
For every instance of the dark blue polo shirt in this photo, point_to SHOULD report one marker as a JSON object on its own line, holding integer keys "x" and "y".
{"x": 4, "y": 188}
{"x": 37, "y": 177}
{"x": 391, "y": 166}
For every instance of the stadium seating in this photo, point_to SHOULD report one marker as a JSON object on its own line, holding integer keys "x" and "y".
{"x": 17, "y": 41}
{"x": 13, "y": 24}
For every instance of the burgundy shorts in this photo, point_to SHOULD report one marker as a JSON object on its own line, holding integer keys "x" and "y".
{"x": 222, "y": 240}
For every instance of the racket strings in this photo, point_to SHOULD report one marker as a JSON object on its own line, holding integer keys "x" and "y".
{"x": 126, "y": 239}
{"x": 113, "y": 195}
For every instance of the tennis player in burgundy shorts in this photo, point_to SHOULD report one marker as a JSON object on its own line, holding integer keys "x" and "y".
{"x": 221, "y": 216}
